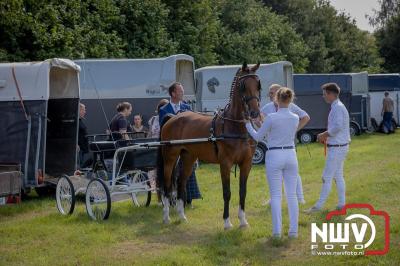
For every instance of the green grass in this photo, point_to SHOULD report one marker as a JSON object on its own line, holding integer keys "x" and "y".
{"x": 34, "y": 233}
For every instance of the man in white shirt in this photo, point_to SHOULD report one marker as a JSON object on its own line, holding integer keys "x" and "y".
{"x": 337, "y": 139}
{"x": 304, "y": 118}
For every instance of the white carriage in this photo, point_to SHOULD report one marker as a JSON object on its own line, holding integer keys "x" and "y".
{"x": 119, "y": 168}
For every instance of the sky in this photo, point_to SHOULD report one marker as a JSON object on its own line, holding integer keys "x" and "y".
{"x": 357, "y": 9}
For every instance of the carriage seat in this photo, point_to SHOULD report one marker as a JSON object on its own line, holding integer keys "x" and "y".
{"x": 99, "y": 146}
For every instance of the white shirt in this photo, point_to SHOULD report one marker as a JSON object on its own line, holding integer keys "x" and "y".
{"x": 176, "y": 106}
{"x": 338, "y": 124}
{"x": 270, "y": 108}
{"x": 280, "y": 128}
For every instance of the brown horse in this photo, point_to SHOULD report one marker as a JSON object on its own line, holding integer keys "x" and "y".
{"x": 232, "y": 147}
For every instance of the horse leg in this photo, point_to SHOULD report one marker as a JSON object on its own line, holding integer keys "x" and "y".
{"x": 187, "y": 161}
{"x": 226, "y": 188}
{"x": 244, "y": 173}
{"x": 169, "y": 162}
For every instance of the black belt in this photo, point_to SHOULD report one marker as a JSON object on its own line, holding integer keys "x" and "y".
{"x": 337, "y": 145}
{"x": 280, "y": 148}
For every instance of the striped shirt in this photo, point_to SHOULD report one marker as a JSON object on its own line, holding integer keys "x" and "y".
{"x": 338, "y": 124}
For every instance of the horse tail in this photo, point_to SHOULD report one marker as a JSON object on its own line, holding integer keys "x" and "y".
{"x": 160, "y": 159}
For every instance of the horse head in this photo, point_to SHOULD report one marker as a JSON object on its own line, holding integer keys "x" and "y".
{"x": 250, "y": 89}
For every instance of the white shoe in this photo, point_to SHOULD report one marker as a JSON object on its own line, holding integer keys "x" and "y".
{"x": 313, "y": 209}
{"x": 302, "y": 201}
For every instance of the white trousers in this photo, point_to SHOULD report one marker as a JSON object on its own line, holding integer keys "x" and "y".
{"x": 283, "y": 163}
{"x": 299, "y": 188}
{"x": 333, "y": 170}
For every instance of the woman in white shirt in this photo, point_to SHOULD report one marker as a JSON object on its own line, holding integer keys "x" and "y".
{"x": 281, "y": 161}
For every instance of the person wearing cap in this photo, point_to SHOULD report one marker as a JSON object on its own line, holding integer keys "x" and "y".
{"x": 304, "y": 118}
{"x": 337, "y": 140}
{"x": 281, "y": 160}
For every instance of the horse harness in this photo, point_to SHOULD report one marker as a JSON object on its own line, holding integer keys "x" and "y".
{"x": 245, "y": 100}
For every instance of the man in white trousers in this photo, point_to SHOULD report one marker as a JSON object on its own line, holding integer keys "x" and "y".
{"x": 304, "y": 118}
{"x": 337, "y": 140}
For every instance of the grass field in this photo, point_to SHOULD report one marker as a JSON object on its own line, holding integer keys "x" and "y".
{"x": 34, "y": 233}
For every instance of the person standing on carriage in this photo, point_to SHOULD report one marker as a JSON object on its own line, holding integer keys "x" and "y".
{"x": 119, "y": 125}
{"x": 304, "y": 118}
{"x": 280, "y": 130}
{"x": 175, "y": 106}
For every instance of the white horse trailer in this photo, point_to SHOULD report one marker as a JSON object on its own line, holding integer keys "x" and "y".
{"x": 39, "y": 103}
{"x": 378, "y": 84}
{"x": 213, "y": 85}
{"x": 142, "y": 82}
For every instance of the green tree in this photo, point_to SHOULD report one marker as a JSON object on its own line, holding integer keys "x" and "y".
{"x": 387, "y": 21}
{"x": 194, "y": 27}
{"x": 142, "y": 27}
{"x": 35, "y": 30}
{"x": 335, "y": 43}
{"x": 389, "y": 43}
{"x": 251, "y": 32}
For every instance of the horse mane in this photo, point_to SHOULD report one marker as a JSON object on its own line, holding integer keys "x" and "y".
{"x": 233, "y": 86}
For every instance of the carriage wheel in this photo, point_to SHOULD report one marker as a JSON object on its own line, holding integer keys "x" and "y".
{"x": 141, "y": 198}
{"x": 65, "y": 195}
{"x": 98, "y": 200}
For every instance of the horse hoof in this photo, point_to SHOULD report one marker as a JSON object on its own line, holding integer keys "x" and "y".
{"x": 183, "y": 218}
{"x": 166, "y": 219}
{"x": 227, "y": 225}
{"x": 244, "y": 226}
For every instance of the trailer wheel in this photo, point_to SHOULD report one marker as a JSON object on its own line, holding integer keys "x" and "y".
{"x": 354, "y": 129}
{"x": 141, "y": 198}
{"x": 65, "y": 195}
{"x": 259, "y": 155}
{"x": 306, "y": 137}
{"x": 98, "y": 200}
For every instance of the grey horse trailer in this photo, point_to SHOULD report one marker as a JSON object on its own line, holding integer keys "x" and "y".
{"x": 354, "y": 95}
{"x": 39, "y": 103}
{"x": 142, "y": 82}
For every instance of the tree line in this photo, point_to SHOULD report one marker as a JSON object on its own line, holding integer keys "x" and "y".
{"x": 311, "y": 34}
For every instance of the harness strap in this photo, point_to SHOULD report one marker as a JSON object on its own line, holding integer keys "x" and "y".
{"x": 212, "y": 131}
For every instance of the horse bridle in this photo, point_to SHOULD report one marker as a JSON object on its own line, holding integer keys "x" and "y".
{"x": 247, "y": 99}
